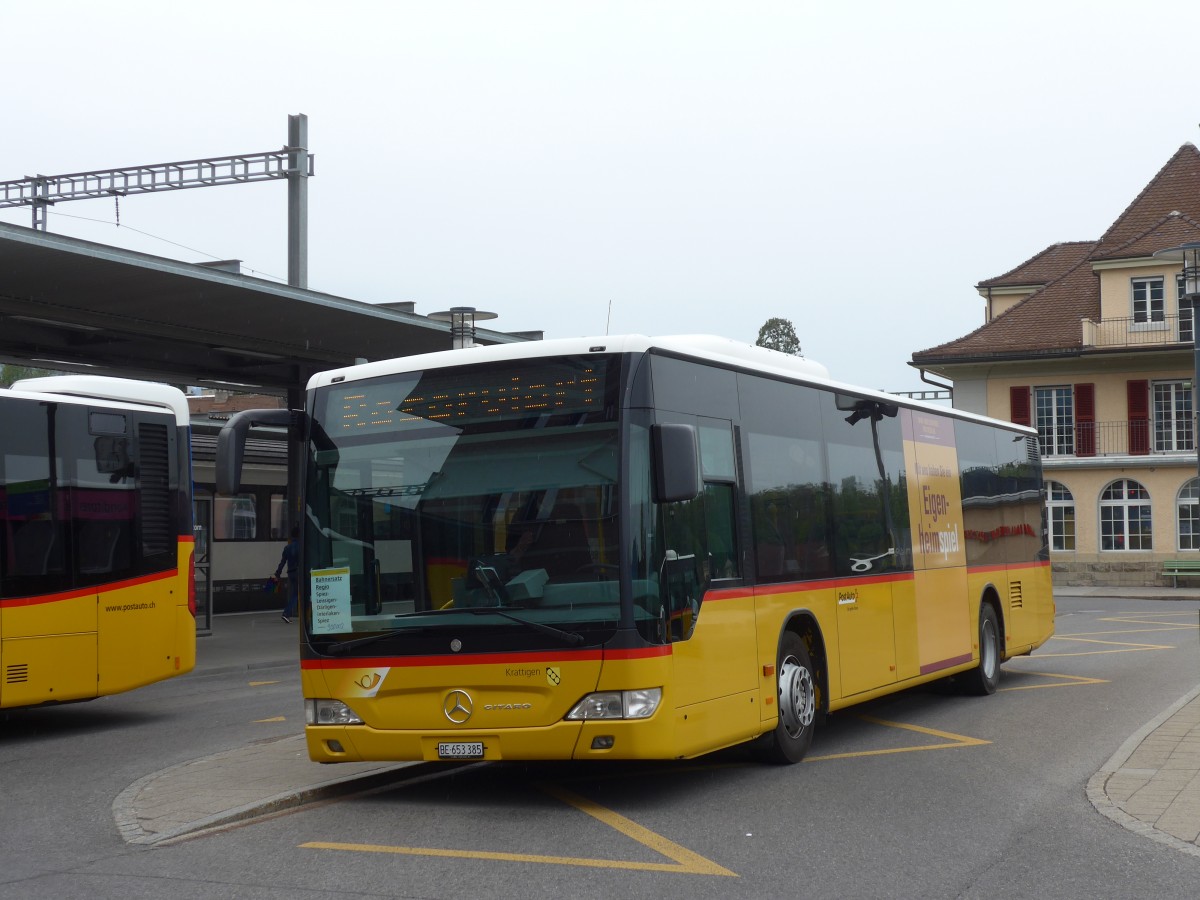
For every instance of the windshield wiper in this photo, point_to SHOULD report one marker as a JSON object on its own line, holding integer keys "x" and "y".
{"x": 569, "y": 637}
{"x": 346, "y": 646}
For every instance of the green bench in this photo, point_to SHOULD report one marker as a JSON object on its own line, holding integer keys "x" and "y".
{"x": 1177, "y": 567}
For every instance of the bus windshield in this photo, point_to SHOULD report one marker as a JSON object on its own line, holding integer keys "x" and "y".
{"x": 479, "y": 500}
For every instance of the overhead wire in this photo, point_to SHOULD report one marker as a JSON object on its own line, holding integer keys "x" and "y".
{"x": 163, "y": 239}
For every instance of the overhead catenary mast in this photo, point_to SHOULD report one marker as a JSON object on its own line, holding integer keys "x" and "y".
{"x": 293, "y": 162}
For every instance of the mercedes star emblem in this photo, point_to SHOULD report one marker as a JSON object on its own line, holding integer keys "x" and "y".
{"x": 458, "y": 706}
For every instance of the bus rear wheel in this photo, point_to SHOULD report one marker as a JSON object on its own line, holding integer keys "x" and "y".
{"x": 985, "y": 677}
{"x": 797, "y": 702}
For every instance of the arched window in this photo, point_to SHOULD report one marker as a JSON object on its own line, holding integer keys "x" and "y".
{"x": 1125, "y": 517}
{"x": 1060, "y": 512}
{"x": 1187, "y": 515}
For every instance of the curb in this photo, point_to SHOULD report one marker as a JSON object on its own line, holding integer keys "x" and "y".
{"x": 1096, "y": 786}
{"x": 125, "y": 807}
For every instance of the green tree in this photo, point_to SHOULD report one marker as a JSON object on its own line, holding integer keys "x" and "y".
{"x": 778, "y": 334}
{"x": 9, "y": 374}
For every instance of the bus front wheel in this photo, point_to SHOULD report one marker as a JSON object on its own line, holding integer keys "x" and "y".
{"x": 797, "y": 702}
{"x": 985, "y": 677}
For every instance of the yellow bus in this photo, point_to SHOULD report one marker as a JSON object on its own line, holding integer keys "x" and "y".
{"x": 96, "y": 582}
{"x": 636, "y": 548}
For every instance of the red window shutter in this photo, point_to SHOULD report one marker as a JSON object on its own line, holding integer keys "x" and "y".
{"x": 1085, "y": 420}
{"x": 1018, "y": 404}
{"x": 1138, "y": 395}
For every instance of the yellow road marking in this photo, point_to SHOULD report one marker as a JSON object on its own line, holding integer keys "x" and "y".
{"x": 1072, "y": 681}
{"x": 953, "y": 740}
{"x": 688, "y": 862}
{"x": 685, "y": 861}
{"x": 261, "y": 683}
{"x": 1166, "y": 626}
{"x": 272, "y": 719}
{"x": 1124, "y": 647}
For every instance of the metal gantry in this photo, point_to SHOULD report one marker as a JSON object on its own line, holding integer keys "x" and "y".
{"x": 292, "y": 162}
{"x": 40, "y": 191}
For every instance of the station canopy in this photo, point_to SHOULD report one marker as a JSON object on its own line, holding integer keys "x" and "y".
{"x": 72, "y": 305}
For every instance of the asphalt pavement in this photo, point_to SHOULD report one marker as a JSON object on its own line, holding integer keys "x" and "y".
{"x": 1151, "y": 785}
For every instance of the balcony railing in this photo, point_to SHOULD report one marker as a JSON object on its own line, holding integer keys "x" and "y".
{"x": 1138, "y": 438}
{"x": 1138, "y": 332}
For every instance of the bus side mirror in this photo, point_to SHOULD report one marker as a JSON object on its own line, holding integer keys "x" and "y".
{"x": 231, "y": 443}
{"x": 676, "y": 463}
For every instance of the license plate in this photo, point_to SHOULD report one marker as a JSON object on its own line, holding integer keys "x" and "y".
{"x": 460, "y": 750}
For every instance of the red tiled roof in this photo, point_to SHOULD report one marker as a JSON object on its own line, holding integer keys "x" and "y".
{"x": 1169, "y": 231}
{"x": 1043, "y": 267}
{"x": 1176, "y": 188}
{"x": 1045, "y": 321}
{"x": 1165, "y": 214}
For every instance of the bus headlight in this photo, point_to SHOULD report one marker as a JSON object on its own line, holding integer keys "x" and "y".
{"x": 639, "y": 704}
{"x": 329, "y": 712}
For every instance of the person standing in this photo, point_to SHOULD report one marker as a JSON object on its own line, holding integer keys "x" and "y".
{"x": 291, "y": 560}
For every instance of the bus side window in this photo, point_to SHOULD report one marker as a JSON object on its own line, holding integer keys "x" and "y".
{"x": 100, "y": 469}
{"x": 867, "y": 477}
{"x": 721, "y": 557}
{"x": 32, "y": 544}
{"x": 700, "y": 547}
{"x": 719, "y": 474}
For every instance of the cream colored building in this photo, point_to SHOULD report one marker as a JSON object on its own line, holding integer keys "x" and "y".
{"x": 1092, "y": 343}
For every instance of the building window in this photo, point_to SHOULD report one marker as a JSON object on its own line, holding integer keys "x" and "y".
{"x": 1186, "y": 334}
{"x": 1187, "y": 515}
{"x": 279, "y": 516}
{"x": 1055, "y": 420}
{"x": 1173, "y": 416}
{"x": 235, "y": 518}
{"x": 1060, "y": 509}
{"x": 1148, "y": 300}
{"x": 1125, "y": 517}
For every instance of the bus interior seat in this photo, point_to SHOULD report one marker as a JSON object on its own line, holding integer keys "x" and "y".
{"x": 33, "y": 544}
{"x": 561, "y": 547}
{"x": 98, "y": 547}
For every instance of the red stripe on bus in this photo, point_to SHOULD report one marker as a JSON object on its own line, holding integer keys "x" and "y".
{"x": 1004, "y": 567}
{"x": 89, "y": 591}
{"x": 826, "y": 583}
{"x": 484, "y": 659}
{"x": 477, "y": 659}
{"x": 638, "y": 652}
{"x": 1035, "y": 564}
{"x": 728, "y": 594}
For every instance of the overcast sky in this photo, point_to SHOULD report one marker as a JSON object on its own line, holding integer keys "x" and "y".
{"x": 692, "y": 167}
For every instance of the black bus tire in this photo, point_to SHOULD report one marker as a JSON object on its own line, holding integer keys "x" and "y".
{"x": 797, "y": 702}
{"x": 985, "y": 677}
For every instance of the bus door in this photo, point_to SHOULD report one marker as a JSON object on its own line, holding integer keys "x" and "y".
{"x": 713, "y": 688}
{"x": 870, "y": 537}
{"x": 866, "y": 633}
{"x": 709, "y": 619}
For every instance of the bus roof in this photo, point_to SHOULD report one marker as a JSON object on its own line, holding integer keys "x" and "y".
{"x": 104, "y": 387}
{"x": 712, "y": 348}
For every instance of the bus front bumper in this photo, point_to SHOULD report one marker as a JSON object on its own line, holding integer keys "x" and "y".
{"x": 611, "y": 739}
